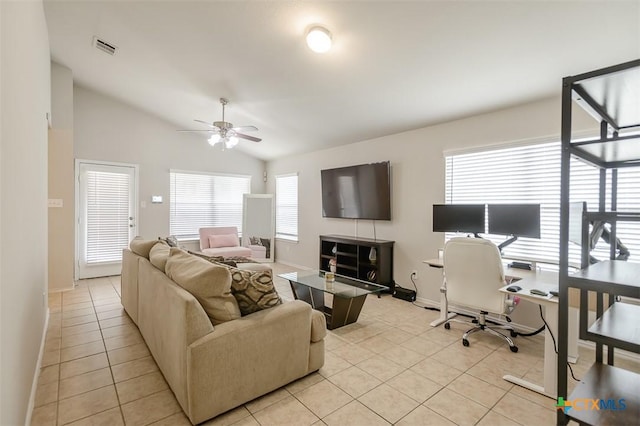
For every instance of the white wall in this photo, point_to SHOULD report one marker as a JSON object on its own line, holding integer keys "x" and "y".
{"x": 417, "y": 175}
{"x": 108, "y": 130}
{"x": 25, "y": 101}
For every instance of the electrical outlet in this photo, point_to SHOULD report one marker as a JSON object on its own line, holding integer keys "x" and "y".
{"x": 414, "y": 274}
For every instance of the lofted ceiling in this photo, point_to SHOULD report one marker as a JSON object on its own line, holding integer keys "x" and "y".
{"x": 394, "y": 65}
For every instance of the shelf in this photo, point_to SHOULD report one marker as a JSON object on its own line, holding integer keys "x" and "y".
{"x": 604, "y": 382}
{"x": 612, "y": 93}
{"x": 619, "y": 326}
{"x": 349, "y": 267}
{"x": 610, "y": 276}
{"x": 609, "y": 154}
{"x": 346, "y": 254}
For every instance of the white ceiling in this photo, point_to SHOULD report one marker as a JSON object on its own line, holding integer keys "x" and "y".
{"x": 395, "y": 66}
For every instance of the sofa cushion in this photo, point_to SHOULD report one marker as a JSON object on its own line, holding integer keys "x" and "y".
{"x": 208, "y": 283}
{"x": 227, "y": 251}
{"x": 223, "y": 240}
{"x": 253, "y": 290}
{"x": 142, "y": 247}
{"x": 159, "y": 254}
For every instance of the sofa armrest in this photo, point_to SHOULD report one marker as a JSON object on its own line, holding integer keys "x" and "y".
{"x": 318, "y": 326}
{"x": 263, "y": 351}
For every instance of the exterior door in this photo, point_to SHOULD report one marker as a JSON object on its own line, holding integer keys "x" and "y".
{"x": 106, "y": 217}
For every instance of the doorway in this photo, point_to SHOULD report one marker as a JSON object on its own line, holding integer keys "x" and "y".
{"x": 106, "y": 216}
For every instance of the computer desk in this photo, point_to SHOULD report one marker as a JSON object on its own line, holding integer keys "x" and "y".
{"x": 528, "y": 280}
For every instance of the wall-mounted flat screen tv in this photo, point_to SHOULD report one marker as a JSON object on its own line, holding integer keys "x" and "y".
{"x": 458, "y": 218}
{"x": 357, "y": 192}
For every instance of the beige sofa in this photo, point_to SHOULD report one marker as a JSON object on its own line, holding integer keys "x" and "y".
{"x": 212, "y": 369}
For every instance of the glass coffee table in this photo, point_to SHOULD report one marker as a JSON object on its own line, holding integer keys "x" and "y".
{"x": 348, "y": 294}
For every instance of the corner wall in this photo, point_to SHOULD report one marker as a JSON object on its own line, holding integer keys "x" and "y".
{"x": 417, "y": 179}
{"x": 25, "y": 101}
{"x": 61, "y": 181}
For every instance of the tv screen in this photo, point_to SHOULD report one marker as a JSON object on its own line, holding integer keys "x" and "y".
{"x": 519, "y": 220}
{"x": 357, "y": 192}
{"x": 458, "y": 218}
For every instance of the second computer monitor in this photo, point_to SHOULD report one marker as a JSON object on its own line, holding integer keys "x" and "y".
{"x": 520, "y": 220}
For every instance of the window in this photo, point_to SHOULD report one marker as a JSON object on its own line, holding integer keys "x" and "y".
{"x": 200, "y": 200}
{"x": 531, "y": 174}
{"x": 287, "y": 207}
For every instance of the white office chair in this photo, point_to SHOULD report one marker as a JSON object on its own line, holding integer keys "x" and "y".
{"x": 473, "y": 274}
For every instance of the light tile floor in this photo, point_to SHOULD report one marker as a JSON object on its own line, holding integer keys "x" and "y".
{"x": 390, "y": 367}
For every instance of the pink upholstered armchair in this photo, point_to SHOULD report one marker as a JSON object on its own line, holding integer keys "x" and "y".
{"x": 224, "y": 241}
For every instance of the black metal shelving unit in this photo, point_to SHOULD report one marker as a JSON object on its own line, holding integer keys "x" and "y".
{"x": 612, "y": 96}
{"x": 352, "y": 257}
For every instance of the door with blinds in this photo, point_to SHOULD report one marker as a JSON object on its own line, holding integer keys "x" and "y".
{"x": 106, "y": 217}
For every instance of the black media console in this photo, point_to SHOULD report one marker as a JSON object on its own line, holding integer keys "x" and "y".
{"x": 354, "y": 258}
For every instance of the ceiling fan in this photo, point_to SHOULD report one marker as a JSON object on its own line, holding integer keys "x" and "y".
{"x": 224, "y": 133}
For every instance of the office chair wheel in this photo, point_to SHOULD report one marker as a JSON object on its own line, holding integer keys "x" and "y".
{"x": 447, "y": 326}
{"x": 465, "y": 342}
{"x": 514, "y": 333}
{"x": 513, "y": 348}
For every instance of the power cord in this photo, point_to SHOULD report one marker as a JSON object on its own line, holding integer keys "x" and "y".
{"x": 555, "y": 347}
{"x": 533, "y": 333}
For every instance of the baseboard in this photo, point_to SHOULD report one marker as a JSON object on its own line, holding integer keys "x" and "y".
{"x": 36, "y": 374}
{"x": 293, "y": 265}
{"x": 631, "y": 356}
{"x": 61, "y": 290}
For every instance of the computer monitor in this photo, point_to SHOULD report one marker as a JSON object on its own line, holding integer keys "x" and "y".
{"x": 458, "y": 218}
{"x": 519, "y": 220}
{"x": 514, "y": 220}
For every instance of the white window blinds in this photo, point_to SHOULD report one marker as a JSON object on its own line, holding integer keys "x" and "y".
{"x": 201, "y": 200}
{"x": 531, "y": 174}
{"x": 107, "y": 196}
{"x": 287, "y": 207}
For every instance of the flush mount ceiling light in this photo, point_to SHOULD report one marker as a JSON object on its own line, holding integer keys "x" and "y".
{"x": 319, "y": 39}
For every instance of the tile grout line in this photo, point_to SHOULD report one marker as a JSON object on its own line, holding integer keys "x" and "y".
{"x": 113, "y": 379}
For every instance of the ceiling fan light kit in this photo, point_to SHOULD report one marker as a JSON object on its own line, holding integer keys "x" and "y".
{"x": 223, "y": 132}
{"x": 319, "y": 39}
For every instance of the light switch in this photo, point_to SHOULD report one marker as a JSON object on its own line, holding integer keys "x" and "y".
{"x": 55, "y": 203}
{"x": 156, "y": 199}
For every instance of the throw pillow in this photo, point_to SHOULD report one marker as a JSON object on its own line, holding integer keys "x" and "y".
{"x": 223, "y": 240}
{"x": 253, "y": 290}
{"x": 159, "y": 254}
{"x": 266, "y": 243}
{"x": 142, "y": 247}
{"x": 238, "y": 259}
{"x": 208, "y": 283}
{"x": 214, "y": 259}
{"x": 171, "y": 240}
{"x": 254, "y": 241}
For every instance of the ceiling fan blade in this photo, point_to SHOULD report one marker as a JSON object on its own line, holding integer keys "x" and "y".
{"x": 246, "y": 128}
{"x": 198, "y": 131}
{"x": 247, "y": 137}
{"x": 204, "y": 122}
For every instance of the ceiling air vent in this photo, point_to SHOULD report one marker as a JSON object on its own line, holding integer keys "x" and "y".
{"x": 104, "y": 46}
